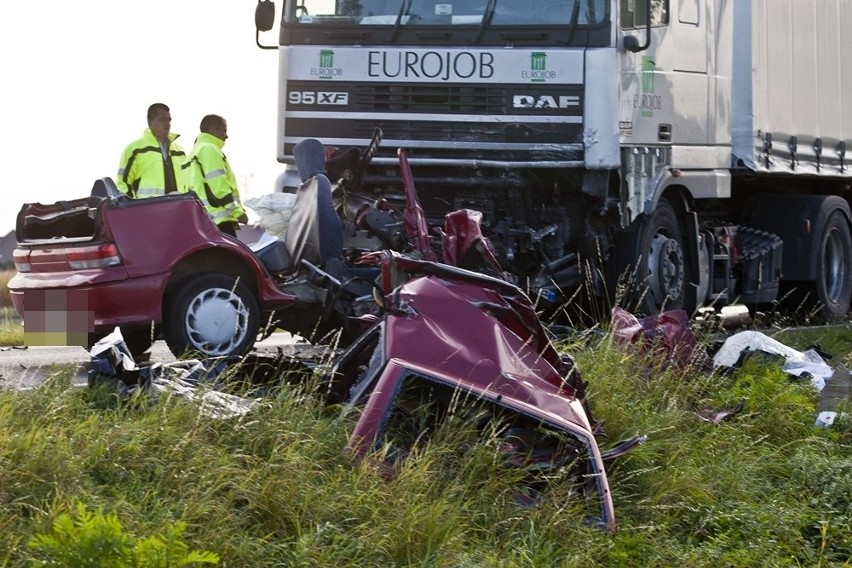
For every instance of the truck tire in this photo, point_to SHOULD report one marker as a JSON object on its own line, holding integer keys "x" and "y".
{"x": 651, "y": 264}
{"x": 833, "y": 286}
{"x": 211, "y": 315}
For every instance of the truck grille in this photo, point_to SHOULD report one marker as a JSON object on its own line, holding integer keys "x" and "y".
{"x": 444, "y": 133}
{"x": 447, "y": 99}
{"x": 449, "y": 118}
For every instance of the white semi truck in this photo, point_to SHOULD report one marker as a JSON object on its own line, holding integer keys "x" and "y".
{"x": 672, "y": 153}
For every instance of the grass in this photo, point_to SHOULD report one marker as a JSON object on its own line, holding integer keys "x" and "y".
{"x": 836, "y": 342}
{"x": 276, "y": 488}
{"x": 11, "y": 331}
{"x": 5, "y": 298}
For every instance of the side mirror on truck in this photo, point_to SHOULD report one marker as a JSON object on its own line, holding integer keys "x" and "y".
{"x": 631, "y": 43}
{"x": 264, "y": 15}
{"x": 264, "y": 19}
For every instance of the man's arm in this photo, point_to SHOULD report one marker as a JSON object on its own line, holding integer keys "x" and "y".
{"x": 125, "y": 175}
{"x": 220, "y": 184}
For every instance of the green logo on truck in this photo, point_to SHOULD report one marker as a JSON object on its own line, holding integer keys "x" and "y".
{"x": 538, "y": 72}
{"x": 648, "y": 101}
{"x": 326, "y": 69}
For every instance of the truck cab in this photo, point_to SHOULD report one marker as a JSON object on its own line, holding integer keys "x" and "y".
{"x": 623, "y": 147}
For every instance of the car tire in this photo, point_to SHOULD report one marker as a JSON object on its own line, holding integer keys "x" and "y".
{"x": 211, "y": 315}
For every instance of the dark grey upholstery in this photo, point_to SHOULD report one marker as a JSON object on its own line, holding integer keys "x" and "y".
{"x": 310, "y": 160}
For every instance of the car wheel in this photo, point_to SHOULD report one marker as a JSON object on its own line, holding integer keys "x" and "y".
{"x": 211, "y": 315}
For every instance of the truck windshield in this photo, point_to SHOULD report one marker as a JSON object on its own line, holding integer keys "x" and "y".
{"x": 448, "y": 12}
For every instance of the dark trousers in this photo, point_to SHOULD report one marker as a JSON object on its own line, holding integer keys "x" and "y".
{"x": 229, "y": 227}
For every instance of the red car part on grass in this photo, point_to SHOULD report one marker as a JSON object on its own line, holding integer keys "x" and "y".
{"x": 459, "y": 335}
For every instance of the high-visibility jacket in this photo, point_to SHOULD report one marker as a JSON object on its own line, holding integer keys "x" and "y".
{"x": 209, "y": 176}
{"x": 144, "y": 171}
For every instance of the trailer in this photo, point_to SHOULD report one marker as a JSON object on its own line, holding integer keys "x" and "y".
{"x": 659, "y": 154}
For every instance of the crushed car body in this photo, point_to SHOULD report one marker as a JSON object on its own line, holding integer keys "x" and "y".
{"x": 448, "y": 334}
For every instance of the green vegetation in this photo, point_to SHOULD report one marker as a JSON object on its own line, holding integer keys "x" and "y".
{"x": 277, "y": 488}
{"x": 87, "y": 480}
{"x": 836, "y": 341}
{"x": 94, "y": 539}
{"x": 5, "y": 299}
{"x": 11, "y": 330}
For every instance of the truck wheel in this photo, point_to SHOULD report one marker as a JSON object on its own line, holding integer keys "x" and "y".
{"x": 833, "y": 285}
{"x": 652, "y": 262}
{"x": 211, "y": 315}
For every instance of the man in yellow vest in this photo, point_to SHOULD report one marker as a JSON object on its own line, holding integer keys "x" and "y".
{"x": 209, "y": 176}
{"x": 151, "y": 165}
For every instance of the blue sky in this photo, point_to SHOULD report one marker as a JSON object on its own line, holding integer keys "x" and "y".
{"x": 78, "y": 78}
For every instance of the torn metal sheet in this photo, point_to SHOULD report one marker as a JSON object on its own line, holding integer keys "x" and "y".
{"x": 717, "y": 415}
{"x": 113, "y": 365}
{"x": 667, "y": 333}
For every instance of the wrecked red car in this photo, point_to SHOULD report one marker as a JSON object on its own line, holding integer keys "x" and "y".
{"x": 160, "y": 268}
{"x": 137, "y": 265}
{"x": 500, "y": 361}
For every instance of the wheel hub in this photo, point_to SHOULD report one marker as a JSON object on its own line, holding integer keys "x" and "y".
{"x": 665, "y": 270}
{"x": 217, "y": 321}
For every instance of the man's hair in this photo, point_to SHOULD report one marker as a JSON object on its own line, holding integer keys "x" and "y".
{"x": 156, "y": 108}
{"x": 211, "y": 121}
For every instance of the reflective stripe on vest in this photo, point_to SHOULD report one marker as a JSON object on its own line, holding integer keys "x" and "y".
{"x": 214, "y": 174}
{"x": 144, "y": 192}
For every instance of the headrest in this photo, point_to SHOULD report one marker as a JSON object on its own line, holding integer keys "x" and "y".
{"x": 104, "y": 187}
{"x": 310, "y": 158}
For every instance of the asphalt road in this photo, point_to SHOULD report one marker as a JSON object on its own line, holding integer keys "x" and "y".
{"x": 28, "y": 367}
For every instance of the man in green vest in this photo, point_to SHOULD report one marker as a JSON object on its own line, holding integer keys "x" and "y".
{"x": 151, "y": 165}
{"x": 209, "y": 176}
